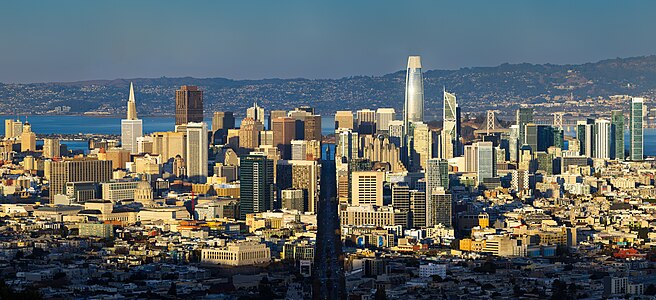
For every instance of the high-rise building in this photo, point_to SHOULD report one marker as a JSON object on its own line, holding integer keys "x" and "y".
{"x": 51, "y": 148}
{"x": 366, "y": 121}
{"x": 383, "y": 117}
{"x": 293, "y": 199}
{"x": 437, "y": 175}
{"x": 169, "y": 144}
{"x": 413, "y": 109}
{"x": 487, "y": 166}
{"x": 347, "y": 146}
{"x": 13, "y": 128}
{"x": 256, "y": 184}
{"x": 249, "y": 133}
{"x": 585, "y": 136}
{"x": 188, "y": 105}
{"x": 221, "y": 122}
{"x": 312, "y": 124}
{"x": 422, "y": 149}
{"x": 256, "y": 113}
{"x": 344, "y": 119}
{"x": 28, "y": 138}
{"x": 303, "y": 175}
{"x": 197, "y": 149}
{"x": 524, "y": 116}
{"x": 284, "y": 131}
{"x": 395, "y": 132}
{"x": 401, "y": 196}
{"x": 131, "y": 127}
{"x": 602, "y": 138}
{"x": 367, "y": 188}
{"x": 76, "y": 170}
{"x": 636, "y": 130}
{"x": 451, "y": 127}
{"x": 617, "y": 123}
{"x": 513, "y": 143}
{"x": 442, "y": 207}
{"x": 418, "y": 208}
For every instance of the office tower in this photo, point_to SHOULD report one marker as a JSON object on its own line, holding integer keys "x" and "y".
{"x": 221, "y": 122}
{"x": 442, "y": 204}
{"x": 344, "y": 119}
{"x": 303, "y": 175}
{"x": 249, "y": 133}
{"x": 256, "y": 184}
{"x": 256, "y": 113}
{"x": 131, "y": 127}
{"x": 519, "y": 180}
{"x": 367, "y": 188}
{"x": 347, "y": 146}
{"x": 284, "y": 131}
{"x": 413, "y": 109}
{"x": 602, "y": 138}
{"x": 299, "y": 150}
{"x": 451, "y": 127}
{"x": 617, "y": 123}
{"x": 293, "y": 199}
{"x": 636, "y": 131}
{"x": 418, "y": 208}
{"x": 585, "y": 136}
{"x": 380, "y": 149}
{"x": 197, "y": 149}
{"x": 188, "y": 105}
{"x": 13, "y": 128}
{"x": 524, "y": 116}
{"x": 383, "y": 117}
{"x": 328, "y": 280}
{"x": 401, "y": 196}
{"x": 312, "y": 124}
{"x": 276, "y": 114}
{"x": 422, "y": 148}
{"x": 169, "y": 144}
{"x": 539, "y": 137}
{"x": 437, "y": 175}
{"x": 76, "y": 170}
{"x": 51, "y": 148}
{"x": 487, "y": 166}
{"x": 28, "y": 138}
{"x": 366, "y": 121}
{"x": 513, "y": 143}
{"x": 266, "y": 138}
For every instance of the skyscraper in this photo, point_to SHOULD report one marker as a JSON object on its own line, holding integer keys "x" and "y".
{"x": 413, "y": 109}
{"x": 366, "y": 121}
{"x": 131, "y": 127}
{"x": 617, "y": 120}
{"x": 249, "y": 133}
{"x": 188, "y": 105}
{"x": 256, "y": 184}
{"x": 442, "y": 206}
{"x": 450, "y": 130}
{"x": 303, "y": 175}
{"x": 585, "y": 136}
{"x": 636, "y": 130}
{"x": 51, "y": 148}
{"x": 437, "y": 175}
{"x": 367, "y": 188}
{"x": 383, "y": 117}
{"x": 221, "y": 122}
{"x": 344, "y": 119}
{"x": 197, "y": 149}
{"x": 523, "y": 117}
{"x": 256, "y": 113}
{"x": 602, "y": 138}
{"x": 28, "y": 138}
{"x": 422, "y": 147}
{"x": 284, "y": 131}
{"x": 487, "y": 167}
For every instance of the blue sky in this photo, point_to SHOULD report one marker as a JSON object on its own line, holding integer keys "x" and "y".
{"x": 78, "y": 40}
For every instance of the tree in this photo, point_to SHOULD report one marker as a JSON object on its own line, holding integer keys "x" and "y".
{"x": 173, "y": 290}
{"x": 650, "y": 290}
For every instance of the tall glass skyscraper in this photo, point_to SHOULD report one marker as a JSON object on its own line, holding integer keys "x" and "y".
{"x": 523, "y": 117}
{"x": 617, "y": 128}
{"x": 636, "y": 129}
{"x": 413, "y": 110}
{"x": 451, "y": 132}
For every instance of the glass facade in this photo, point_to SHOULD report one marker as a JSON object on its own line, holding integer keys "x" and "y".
{"x": 636, "y": 129}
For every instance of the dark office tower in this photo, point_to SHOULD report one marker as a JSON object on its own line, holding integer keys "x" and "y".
{"x": 221, "y": 122}
{"x": 401, "y": 196}
{"x": 284, "y": 131}
{"x": 188, "y": 105}
{"x": 585, "y": 136}
{"x": 523, "y": 117}
{"x": 328, "y": 280}
{"x": 441, "y": 201}
{"x": 558, "y": 138}
{"x": 256, "y": 182}
{"x": 312, "y": 126}
{"x": 617, "y": 134}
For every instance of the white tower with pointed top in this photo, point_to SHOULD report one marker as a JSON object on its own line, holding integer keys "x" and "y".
{"x": 131, "y": 128}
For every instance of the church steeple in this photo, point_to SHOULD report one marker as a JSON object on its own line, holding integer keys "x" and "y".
{"x": 132, "y": 105}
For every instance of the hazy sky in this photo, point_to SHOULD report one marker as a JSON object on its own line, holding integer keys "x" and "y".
{"x": 78, "y": 40}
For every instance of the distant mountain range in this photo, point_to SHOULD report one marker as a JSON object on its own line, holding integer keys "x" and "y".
{"x": 503, "y": 87}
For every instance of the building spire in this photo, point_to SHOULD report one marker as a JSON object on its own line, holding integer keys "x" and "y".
{"x": 132, "y": 105}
